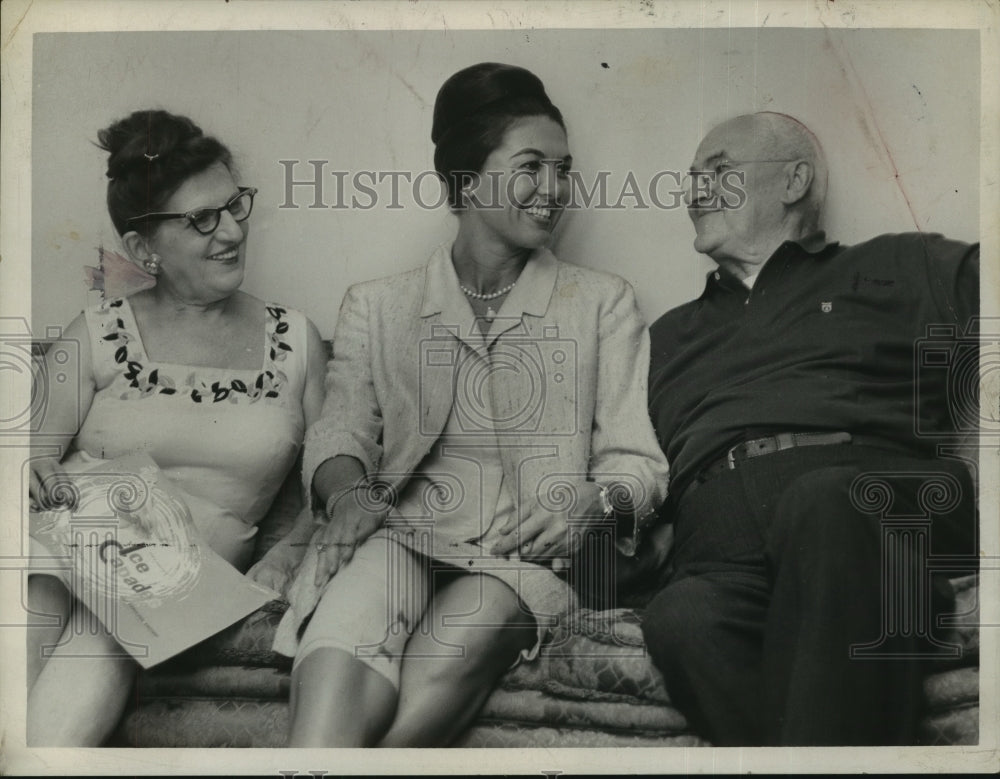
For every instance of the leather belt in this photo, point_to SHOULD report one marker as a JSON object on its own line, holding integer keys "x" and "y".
{"x": 758, "y": 447}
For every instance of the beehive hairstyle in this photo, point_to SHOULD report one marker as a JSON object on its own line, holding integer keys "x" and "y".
{"x": 472, "y": 113}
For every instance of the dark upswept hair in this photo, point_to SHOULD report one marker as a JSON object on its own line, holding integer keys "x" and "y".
{"x": 150, "y": 155}
{"x": 473, "y": 111}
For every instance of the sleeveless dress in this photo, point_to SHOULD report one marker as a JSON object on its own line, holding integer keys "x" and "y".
{"x": 227, "y": 438}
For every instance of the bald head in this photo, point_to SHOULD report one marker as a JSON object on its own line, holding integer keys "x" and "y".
{"x": 777, "y": 136}
{"x": 784, "y": 137}
{"x": 781, "y": 170}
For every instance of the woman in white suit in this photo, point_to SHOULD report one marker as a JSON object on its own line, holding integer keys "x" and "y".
{"x": 482, "y": 412}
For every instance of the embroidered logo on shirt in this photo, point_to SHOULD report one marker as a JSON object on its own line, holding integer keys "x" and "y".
{"x": 826, "y": 306}
{"x": 870, "y": 281}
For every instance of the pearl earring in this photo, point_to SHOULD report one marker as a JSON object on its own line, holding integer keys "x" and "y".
{"x": 152, "y": 265}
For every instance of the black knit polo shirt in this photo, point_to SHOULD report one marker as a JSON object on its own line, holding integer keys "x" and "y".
{"x": 870, "y": 339}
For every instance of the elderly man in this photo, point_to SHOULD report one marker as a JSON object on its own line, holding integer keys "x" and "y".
{"x": 777, "y": 395}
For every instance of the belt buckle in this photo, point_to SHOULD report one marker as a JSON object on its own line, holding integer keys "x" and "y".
{"x": 731, "y": 458}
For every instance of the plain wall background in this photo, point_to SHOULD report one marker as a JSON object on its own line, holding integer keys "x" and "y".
{"x": 897, "y": 112}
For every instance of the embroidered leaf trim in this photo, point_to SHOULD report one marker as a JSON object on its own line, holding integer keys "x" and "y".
{"x": 143, "y": 384}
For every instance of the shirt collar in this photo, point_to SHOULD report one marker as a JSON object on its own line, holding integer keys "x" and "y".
{"x": 812, "y": 245}
{"x": 531, "y": 293}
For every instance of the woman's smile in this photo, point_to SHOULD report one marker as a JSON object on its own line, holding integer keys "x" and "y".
{"x": 542, "y": 214}
{"x": 230, "y": 256}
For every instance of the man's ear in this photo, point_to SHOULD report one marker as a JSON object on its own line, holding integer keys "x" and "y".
{"x": 798, "y": 182}
{"x": 137, "y": 247}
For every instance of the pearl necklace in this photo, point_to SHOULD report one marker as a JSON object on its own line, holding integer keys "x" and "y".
{"x": 484, "y": 295}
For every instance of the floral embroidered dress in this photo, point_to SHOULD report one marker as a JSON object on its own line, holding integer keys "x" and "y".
{"x": 226, "y": 437}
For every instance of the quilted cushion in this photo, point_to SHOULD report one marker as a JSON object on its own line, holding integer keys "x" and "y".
{"x": 509, "y": 734}
{"x": 594, "y": 680}
{"x": 593, "y": 686}
{"x": 194, "y": 722}
{"x": 247, "y": 643}
{"x": 598, "y": 656}
{"x": 962, "y": 627}
{"x": 953, "y": 707}
{"x": 252, "y": 723}
{"x": 951, "y": 689}
{"x": 536, "y": 707}
{"x": 956, "y": 727}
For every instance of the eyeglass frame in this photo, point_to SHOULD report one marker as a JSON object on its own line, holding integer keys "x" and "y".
{"x": 725, "y": 162}
{"x": 729, "y": 164}
{"x": 190, "y": 215}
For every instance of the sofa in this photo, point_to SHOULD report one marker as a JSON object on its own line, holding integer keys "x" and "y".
{"x": 593, "y": 686}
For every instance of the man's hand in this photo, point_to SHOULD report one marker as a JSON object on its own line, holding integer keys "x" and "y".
{"x": 543, "y": 534}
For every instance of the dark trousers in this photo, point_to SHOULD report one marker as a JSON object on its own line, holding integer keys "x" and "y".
{"x": 793, "y": 616}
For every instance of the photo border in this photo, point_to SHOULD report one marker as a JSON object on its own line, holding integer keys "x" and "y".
{"x": 22, "y": 18}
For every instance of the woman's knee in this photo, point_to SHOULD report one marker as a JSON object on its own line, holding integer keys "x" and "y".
{"x": 481, "y": 618}
{"x": 322, "y": 680}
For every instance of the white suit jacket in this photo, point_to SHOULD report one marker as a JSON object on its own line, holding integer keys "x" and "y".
{"x": 564, "y": 381}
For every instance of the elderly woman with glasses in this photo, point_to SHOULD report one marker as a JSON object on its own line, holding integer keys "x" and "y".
{"x": 214, "y": 384}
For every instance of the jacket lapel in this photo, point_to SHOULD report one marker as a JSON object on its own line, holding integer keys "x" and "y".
{"x": 448, "y": 326}
{"x": 438, "y": 341}
{"x": 530, "y": 296}
{"x": 439, "y": 352}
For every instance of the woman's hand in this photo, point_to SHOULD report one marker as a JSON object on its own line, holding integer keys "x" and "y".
{"x": 544, "y": 533}
{"x": 277, "y": 567}
{"x": 49, "y": 487}
{"x": 353, "y": 519}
